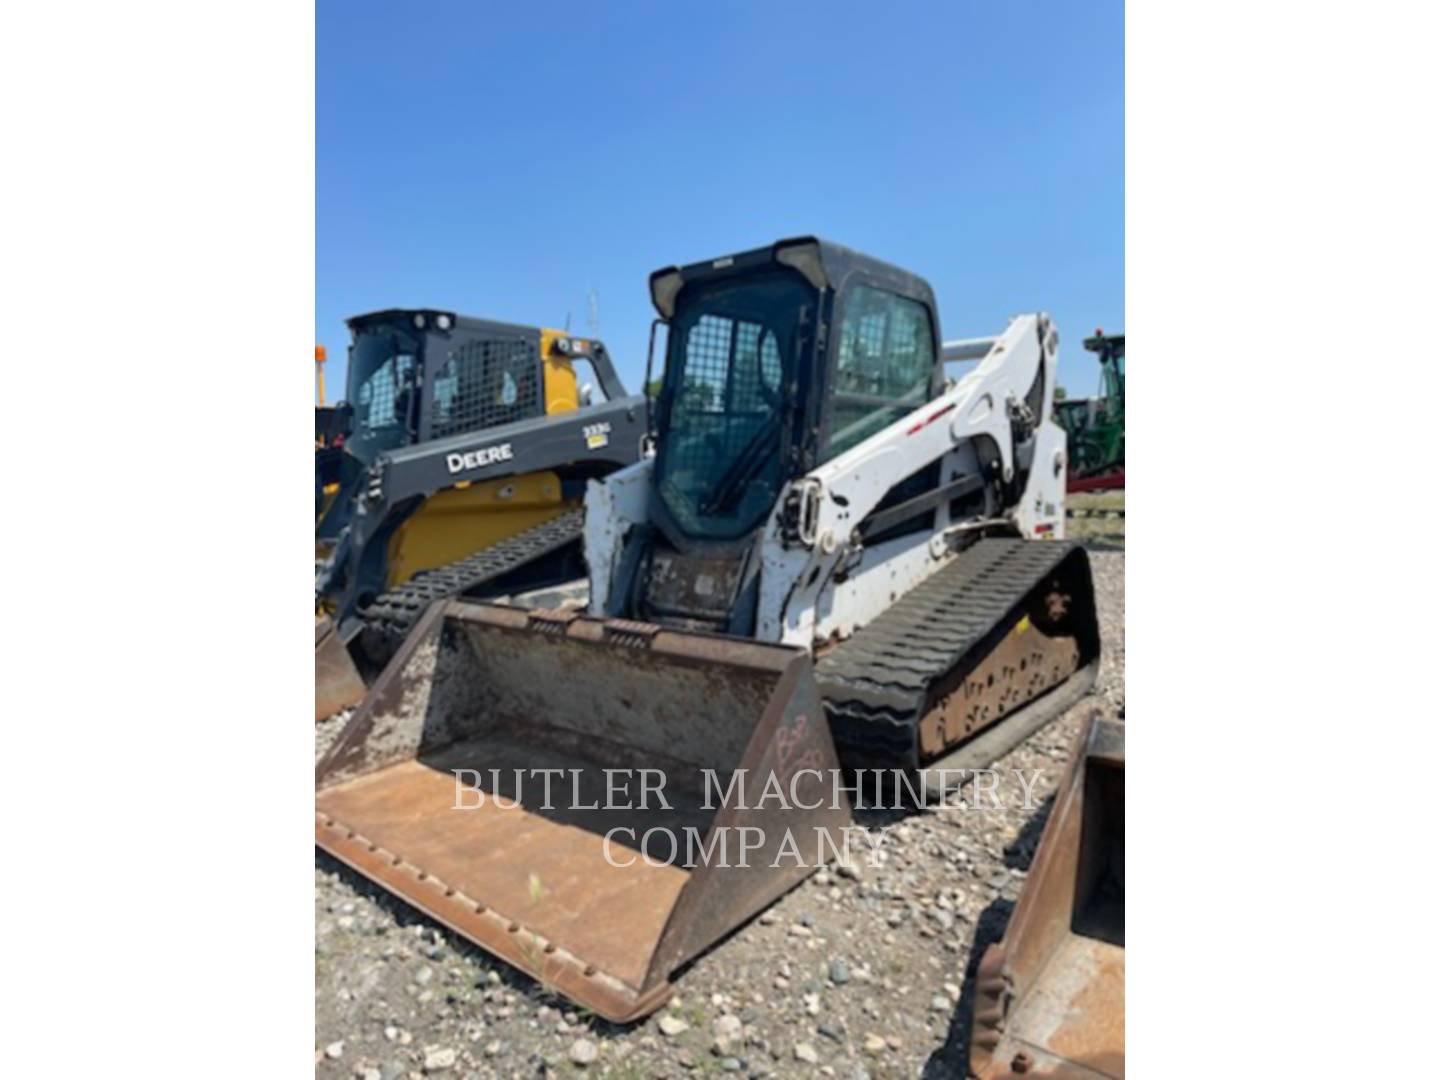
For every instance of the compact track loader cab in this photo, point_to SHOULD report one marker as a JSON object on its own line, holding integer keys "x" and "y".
{"x": 463, "y": 471}
{"x": 831, "y": 545}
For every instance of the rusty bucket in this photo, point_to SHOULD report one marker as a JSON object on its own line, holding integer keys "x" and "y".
{"x": 338, "y": 684}
{"x": 593, "y": 801}
{"x": 1050, "y": 997}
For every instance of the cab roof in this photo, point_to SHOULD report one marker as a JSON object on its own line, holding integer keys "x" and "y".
{"x": 826, "y": 265}
{"x": 458, "y": 322}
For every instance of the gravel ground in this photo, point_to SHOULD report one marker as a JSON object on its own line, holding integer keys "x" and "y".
{"x": 1098, "y": 520}
{"x": 862, "y": 976}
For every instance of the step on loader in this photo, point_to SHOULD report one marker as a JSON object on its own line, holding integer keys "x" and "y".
{"x": 462, "y": 472}
{"x": 829, "y": 528}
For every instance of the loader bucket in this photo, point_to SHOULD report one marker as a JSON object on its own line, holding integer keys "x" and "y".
{"x": 337, "y": 682}
{"x": 493, "y": 780}
{"x": 1050, "y": 997}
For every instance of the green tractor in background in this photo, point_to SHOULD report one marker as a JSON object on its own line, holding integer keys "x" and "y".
{"x": 1095, "y": 427}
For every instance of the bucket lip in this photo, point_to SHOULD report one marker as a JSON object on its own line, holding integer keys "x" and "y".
{"x": 502, "y": 935}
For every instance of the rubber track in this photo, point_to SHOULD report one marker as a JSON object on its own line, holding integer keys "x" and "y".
{"x": 390, "y": 616}
{"x": 877, "y": 683}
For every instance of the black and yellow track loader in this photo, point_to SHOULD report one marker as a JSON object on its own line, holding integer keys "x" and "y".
{"x": 462, "y": 473}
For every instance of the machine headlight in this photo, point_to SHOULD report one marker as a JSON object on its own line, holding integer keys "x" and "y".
{"x": 419, "y": 321}
{"x": 443, "y": 321}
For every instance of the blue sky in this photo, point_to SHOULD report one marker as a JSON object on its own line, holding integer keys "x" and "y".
{"x": 504, "y": 160}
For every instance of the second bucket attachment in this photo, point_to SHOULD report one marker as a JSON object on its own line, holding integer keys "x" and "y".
{"x": 338, "y": 684}
{"x": 594, "y": 801}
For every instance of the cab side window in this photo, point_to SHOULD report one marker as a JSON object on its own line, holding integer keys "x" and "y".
{"x": 885, "y": 363}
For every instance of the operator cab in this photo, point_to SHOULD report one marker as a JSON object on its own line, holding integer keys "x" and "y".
{"x": 417, "y": 375}
{"x": 777, "y": 360}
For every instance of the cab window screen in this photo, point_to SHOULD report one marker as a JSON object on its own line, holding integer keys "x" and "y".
{"x": 719, "y": 467}
{"x": 707, "y": 364}
{"x": 486, "y": 383}
{"x": 757, "y": 365}
{"x": 381, "y": 398}
{"x": 886, "y": 360}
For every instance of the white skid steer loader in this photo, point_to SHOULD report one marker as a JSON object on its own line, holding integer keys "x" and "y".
{"x": 831, "y": 559}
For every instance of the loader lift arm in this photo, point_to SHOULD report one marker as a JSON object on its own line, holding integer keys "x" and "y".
{"x": 849, "y": 489}
{"x": 398, "y": 480}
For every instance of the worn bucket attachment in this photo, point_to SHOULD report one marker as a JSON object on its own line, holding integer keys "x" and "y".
{"x": 1050, "y": 997}
{"x": 338, "y": 684}
{"x": 493, "y": 779}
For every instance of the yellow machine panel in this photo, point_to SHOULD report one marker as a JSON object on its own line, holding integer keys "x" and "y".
{"x": 468, "y": 518}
